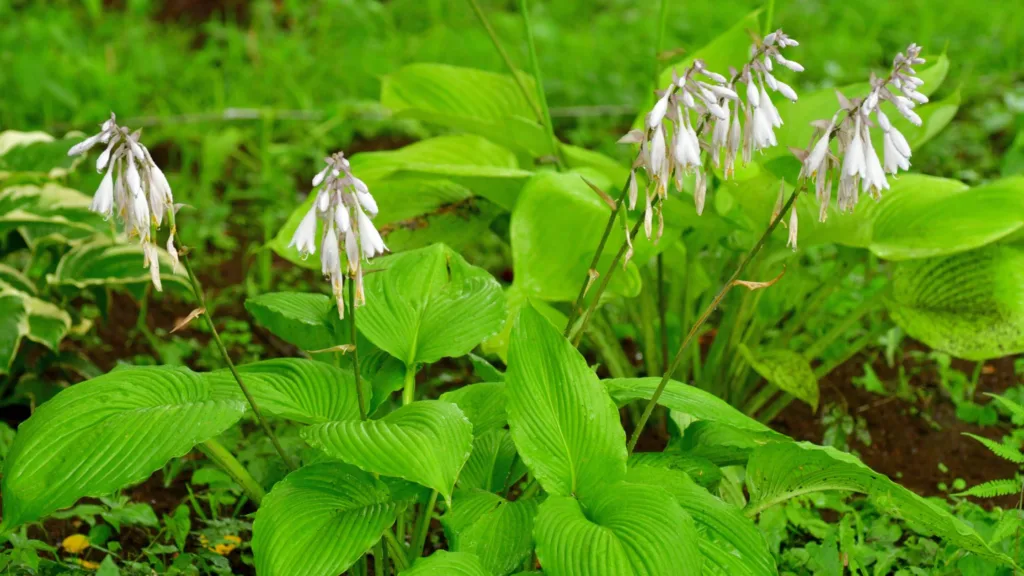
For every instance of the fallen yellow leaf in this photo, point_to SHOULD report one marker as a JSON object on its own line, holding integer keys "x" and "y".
{"x": 76, "y": 543}
{"x": 88, "y": 565}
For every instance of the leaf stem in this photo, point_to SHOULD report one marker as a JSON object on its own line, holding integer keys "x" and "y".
{"x": 604, "y": 283}
{"x": 409, "y": 391}
{"x": 556, "y": 148}
{"x": 231, "y": 365}
{"x": 355, "y": 347}
{"x": 222, "y": 457}
{"x": 704, "y": 317}
{"x": 508, "y": 61}
{"x": 396, "y": 551}
{"x": 422, "y": 528}
{"x": 574, "y": 313}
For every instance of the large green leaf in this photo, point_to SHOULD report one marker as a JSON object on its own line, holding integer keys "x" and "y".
{"x": 490, "y": 464}
{"x": 48, "y": 212}
{"x": 783, "y": 470}
{"x": 36, "y": 152}
{"x": 103, "y": 262}
{"x": 563, "y": 422}
{"x": 484, "y": 103}
{"x": 309, "y": 321}
{"x": 555, "y": 229}
{"x": 515, "y": 300}
{"x": 728, "y": 538}
{"x": 680, "y": 397}
{"x": 621, "y": 530}
{"x": 428, "y": 304}
{"x": 25, "y": 316}
{"x": 483, "y": 404}
{"x": 106, "y": 433}
{"x": 787, "y": 370}
{"x": 496, "y": 531}
{"x": 301, "y": 390}
{"x": 319, "y": 520}
{"x": 444, "y": 563}
{"x": 967, "y": 304}
{"x": 16, "y": 279}
{"x": 426, "y": 442}
{"x": 701, "y": 470}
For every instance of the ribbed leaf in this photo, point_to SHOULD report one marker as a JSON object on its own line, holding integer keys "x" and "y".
{"x": 700, "y": 470}
{"x": 106, "y": 433}
{"x": 444, "y": 563}
{"x": 300, "y": 390}
{"x": 47, "y": 212}
{"x": 426, "y": 442}
{"x": 25, "y": 316}
{"x": 968, "y": 304}
{"x": 563, "y": 422}
{"x": 555, "y": 229}
{"x": 729, "y": 539}
{"x": 496, "y": 531}
{"x": 680, "y": 397}
{"x": 13, "y": 327}
{"x": 484, "y": 103}
{"x": 36, "y": 152}
{"x": 622, "y": 530}
{"x": 483, "y": 404}
{"x": 1002, "y": 450}
{"x": 516, "y": 299}
{"x": 724, "y": 444}
{"x": 787, "y": 370}
{"x": 428, "y": 304}
{"x": 103, "y": 262}
{"x": 319, "y": 520}
{"x": 490, "y": 464}
{"x": 780, "y": 471}
{"x": 309, "y": 321}
{"x": 16, "y": 279}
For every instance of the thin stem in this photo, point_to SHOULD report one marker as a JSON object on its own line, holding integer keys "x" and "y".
{"x": 704, "y": 317}
{"x": 231, "y": 365}
{"x": 380, "y": 557}
{"x": 604, "y": 283}
{"x": 396, "y": 551}
{"x": 422, "y": 528}
{"x": 556, "y": 149}
{"x": 663, "y": 327}
{"x": 355, "y": 348}
{"x": 220, "y": 456}
{"x": 409, "y": 391}
{"x": 574, "y": 312}
{"x": 508, "y": 61}
{"x": 659, "y": 41}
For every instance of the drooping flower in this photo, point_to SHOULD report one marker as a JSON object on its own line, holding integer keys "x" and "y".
{"x": 344, "y": 205}
{"x": 133, "y": 188}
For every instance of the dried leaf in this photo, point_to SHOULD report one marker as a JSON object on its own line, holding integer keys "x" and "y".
{"x": 185, "y": 321}
{"x": 632, "y": 137}
{"x": 343, "y": 348}
{"x": 758, "y": 285}
{"x": 604, "y": 195}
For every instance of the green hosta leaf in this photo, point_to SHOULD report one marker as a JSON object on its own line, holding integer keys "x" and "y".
{"x": 968, "y": 304}
{"x": 309, "y": 321}
{"x": 16, "y": 279}
{"x": 444, "y": 563}
{"x": 563, "y": 422}
{"x": 103, "y": 262}
{"x": 729, "y": 539}
{"x": 319, "y": 520}
{"x": 483, "y": 404}
{"x": 496, "y": 531}
{"x": 555, "y": 229}
{"x": 787, "y": 370}
{"x": 36, "y": 152}
{"x": 25, "y": 316}
{"x": 623, "y": 529}
{"x": 414, "y": 210}
{"x": 484, "y": 103}
{"x": 701, "y": 470}
{"x": 490, "y": 463}
{"x": 426, "y": 442}
{"x": 724, "y": 444}
{"x": 681, "y": 397}
{"x": 428, "y": 304}
{"x": 301, "y": 390}
{"x": 48, "y": 212}
{"x": 106, "y": 433}
{"x": 516, "y": 299}
{"x": 780, "y": 471}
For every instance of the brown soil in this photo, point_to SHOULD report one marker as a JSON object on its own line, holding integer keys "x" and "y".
{"x": 904, "y": 444}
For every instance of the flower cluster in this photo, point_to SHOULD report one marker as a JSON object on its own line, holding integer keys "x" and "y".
{"x": 856, "y": 163}
{"x": 134, "y": 188}
{"x": 342, "y": 203}
{"x": 693, "y": 100}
